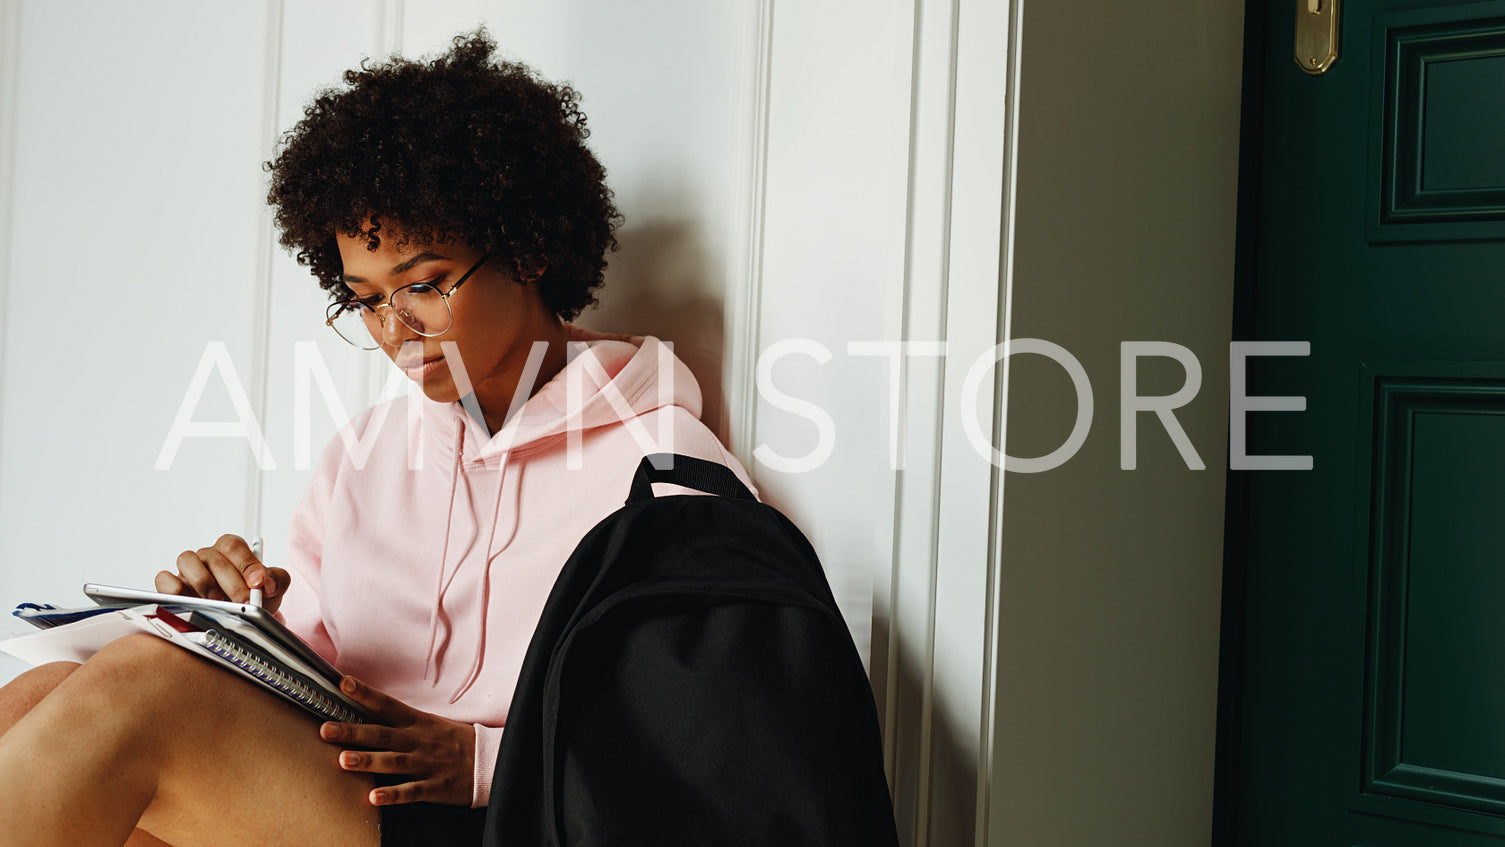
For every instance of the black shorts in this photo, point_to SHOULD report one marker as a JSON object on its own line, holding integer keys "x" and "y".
{"x": 431, "y": 825}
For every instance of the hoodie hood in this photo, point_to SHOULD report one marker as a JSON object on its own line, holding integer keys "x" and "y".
{"x": 607, "y": 380}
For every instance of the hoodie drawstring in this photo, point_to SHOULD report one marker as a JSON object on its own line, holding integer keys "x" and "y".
{"x": 492, "y": 551}
{"x": 449, "y": 522}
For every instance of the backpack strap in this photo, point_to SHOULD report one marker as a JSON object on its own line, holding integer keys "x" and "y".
{"x": 687, "y": 471}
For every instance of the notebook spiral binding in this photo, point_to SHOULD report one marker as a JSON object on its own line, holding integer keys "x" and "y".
{"x": 288, "y": 684}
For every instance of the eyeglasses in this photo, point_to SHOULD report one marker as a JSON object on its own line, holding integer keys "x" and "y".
{"x": 421, "y": 307}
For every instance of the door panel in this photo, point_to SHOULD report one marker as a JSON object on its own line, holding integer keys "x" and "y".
{"x": 1437, "y": 84}
{"x": 1434, "y": 745}
{"x": 1373, "y": 709}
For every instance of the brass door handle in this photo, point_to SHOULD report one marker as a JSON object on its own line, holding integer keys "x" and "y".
{"x": 1316, "y": 35}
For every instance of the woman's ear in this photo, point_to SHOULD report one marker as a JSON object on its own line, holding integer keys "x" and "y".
{"x": 531, "y": 268}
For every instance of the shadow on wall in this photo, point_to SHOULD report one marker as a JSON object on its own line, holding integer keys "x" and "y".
{"x": 951, "y": 815}
{"x": 660, "y": 283}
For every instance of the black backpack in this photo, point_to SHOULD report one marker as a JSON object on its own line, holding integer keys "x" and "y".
{"x": 691, "y": 682}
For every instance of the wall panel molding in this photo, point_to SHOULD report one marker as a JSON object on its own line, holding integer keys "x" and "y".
{"x": 315, "y": 43}
{"x": 261, "y": 293}
{"x": 971, "y": 484}
{"x": 745, "y": 246}
{"x": 911, "y": 726}
{"x": 948, "y": 495}
{"x": 389, "y": 22}
{"x": 887, "y": 650}
{"x": 1010, "y": 167}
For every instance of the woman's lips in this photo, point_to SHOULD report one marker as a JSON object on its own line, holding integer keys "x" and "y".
{"x": 421, "y": 369}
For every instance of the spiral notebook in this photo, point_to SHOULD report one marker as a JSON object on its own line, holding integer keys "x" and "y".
{"x": 243, "y": 643}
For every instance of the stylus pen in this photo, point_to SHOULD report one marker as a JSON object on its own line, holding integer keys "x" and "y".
{"x": 256, "y": 551}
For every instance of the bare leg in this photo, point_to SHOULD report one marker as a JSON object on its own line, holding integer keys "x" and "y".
{"x": 25, "y": 692}
{"x": 147, "y": 732}
{"x": 28, "y": 689}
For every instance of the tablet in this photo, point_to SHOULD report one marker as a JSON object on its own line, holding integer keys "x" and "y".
{"x": 240, "y": 616}
{"x": 114, "y": 595}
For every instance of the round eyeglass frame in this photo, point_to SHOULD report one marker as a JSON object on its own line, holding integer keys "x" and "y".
{"x": 337, "y": 307}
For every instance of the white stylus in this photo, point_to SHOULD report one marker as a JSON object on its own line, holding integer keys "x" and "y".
{"x": 256, "y": 551}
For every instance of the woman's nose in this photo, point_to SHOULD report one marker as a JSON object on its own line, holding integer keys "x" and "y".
{"x": 393, "y": 331}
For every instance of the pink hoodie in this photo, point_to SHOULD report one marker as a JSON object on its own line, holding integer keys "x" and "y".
{"x": 423, "y": 569}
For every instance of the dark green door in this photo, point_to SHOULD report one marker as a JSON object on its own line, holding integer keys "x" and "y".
{"x": 1372, "y": 704}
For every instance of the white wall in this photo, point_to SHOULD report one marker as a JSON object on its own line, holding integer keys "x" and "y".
{"x": 835, "y": 171}
{"x": 138, "y": 200}
{"x": 135, "y": 235}
{"x": 133, "y": 240}
{"x": 761, "y": 170}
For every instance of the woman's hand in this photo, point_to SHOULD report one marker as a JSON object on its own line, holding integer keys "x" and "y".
{"x": 438, "y": 753}
{"x": 226, "y": 571}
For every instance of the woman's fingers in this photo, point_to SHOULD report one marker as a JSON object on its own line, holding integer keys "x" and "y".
{"x": 228, "y": 564}
{"x": 386, "y": 709}
{"x": 273, "y": 583}
{"x": 167, "y": 582}
{"x": 408, "y": 792}
{"x": 438, "y": 752}
{"x": 367, "y": 735}
{"x": 441, "y": 768}
{"x": 226, "y": 571}
{"x": 377, "y": 761}
{"x": 228, "y": 581}
{"x": 195, "y": 576}
{"x": 239, "y": 570}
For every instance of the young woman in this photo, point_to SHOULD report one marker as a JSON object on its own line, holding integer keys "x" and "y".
{"x": 454, "y": 213}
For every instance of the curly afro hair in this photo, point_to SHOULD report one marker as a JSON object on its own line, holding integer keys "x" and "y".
{"x": 457, "y": 148}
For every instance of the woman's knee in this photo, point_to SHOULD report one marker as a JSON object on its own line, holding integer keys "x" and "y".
{"x": 43, "y": 678}
{"x": 121, "y": 690}
{"x": 142, "y": 664}
{"x": 24, "y": 692}
{"x": 140, "y": 671}
{"x": 144, "y": 660}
